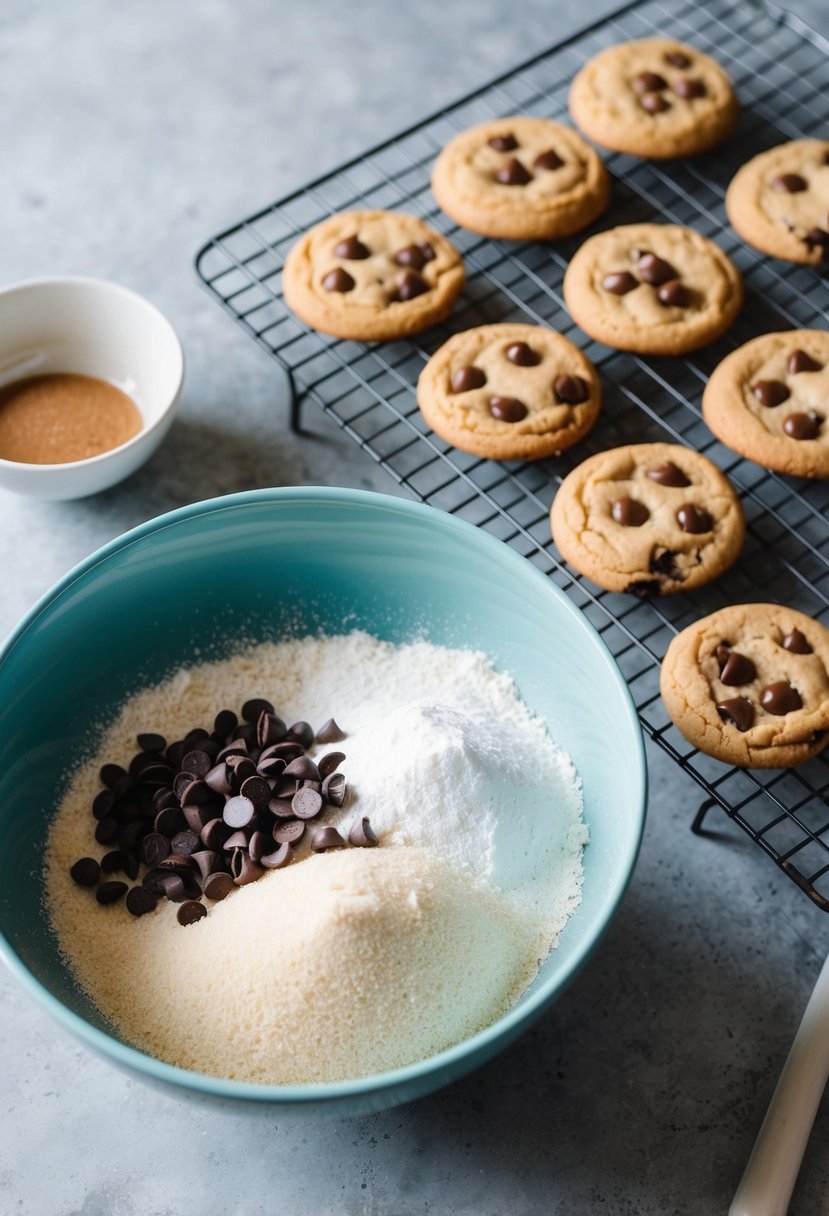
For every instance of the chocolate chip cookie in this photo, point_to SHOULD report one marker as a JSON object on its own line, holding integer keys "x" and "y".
{"x": 648, "y": 518}
{"x": 779, "y": 201}
{"x": 658, "y": 289}
{"x": 372, "y": 276}
{"x": 655, "y": 97}
{"x": 769, "y": 401}
{"x": 521, "y": 179}
{"x": 509, "y": 392}
{"x": 749, "y": 685}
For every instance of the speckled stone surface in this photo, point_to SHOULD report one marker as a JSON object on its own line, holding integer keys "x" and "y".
{"x": 130, "y": 135}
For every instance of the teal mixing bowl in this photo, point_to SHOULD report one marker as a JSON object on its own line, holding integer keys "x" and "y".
{"x": 272, "y": 563}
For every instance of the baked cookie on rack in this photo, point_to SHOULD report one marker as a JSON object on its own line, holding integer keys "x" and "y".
{"x": 749, "y": 685}
{"x": 779, "y": 201}
{"x": 648, "y": 518}
{"x": 521, "y": 178}
{"x": 658, "y": 289}
{"x": 654, "y": 97}
{"x": 769, "y": 401}
{"x": 510, "y": 392}
{"x": 372, "y": 276}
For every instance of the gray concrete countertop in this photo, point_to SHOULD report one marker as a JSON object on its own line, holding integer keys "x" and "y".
{"x": 131, "y": 133}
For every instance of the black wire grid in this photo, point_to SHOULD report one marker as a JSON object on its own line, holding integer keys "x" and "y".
{"x": 780, "y": 71}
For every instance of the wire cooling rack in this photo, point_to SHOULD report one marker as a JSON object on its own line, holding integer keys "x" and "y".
{"x": 781, "y": 72}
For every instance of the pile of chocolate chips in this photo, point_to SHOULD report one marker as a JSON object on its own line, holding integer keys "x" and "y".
{"x": 214, "y": 810}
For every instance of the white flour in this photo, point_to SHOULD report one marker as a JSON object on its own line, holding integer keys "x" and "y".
{"x": 443, "y": 757}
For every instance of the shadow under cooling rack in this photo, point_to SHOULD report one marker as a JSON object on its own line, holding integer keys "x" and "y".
{"x": 781, "y": 72}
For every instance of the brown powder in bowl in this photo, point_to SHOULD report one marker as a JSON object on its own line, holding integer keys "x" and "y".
{"x": 60, "y": 417}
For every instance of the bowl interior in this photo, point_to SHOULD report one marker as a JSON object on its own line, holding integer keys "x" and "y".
{"x": 93, "y": 328}
{"x": 199, "y": 582}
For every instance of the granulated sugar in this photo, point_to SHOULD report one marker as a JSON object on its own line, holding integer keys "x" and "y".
{"x": 479, "y": 815}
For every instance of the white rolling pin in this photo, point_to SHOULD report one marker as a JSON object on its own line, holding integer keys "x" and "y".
{"x": 766, "y": 1186}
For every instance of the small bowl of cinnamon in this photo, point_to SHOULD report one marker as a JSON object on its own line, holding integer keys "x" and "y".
{"x": 90, "y": 375}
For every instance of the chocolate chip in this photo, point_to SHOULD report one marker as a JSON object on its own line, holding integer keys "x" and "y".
{"x": 241, "y": 767}
{"x": 694, "y": 519}
{"x": 185, "y": 843}
{"x": 330, "y": 732}
{"x": 216, "y": 779}
{"x": 157, "y": 775}
{"x": 114, "y": 861}
{"x": 306, "y": 804}
{"x": 155, "y": 848}
{"x": 140, "y": 901}
{"x": 289, "y": 831}
{"x": 792, "y": 183}
{"x": 687, "y": 89}
{"x": 503, "y": 143}
{"x": 86, "y": 872}
{"x": 110, "y": 892}
{"x": 238, "y": 812}
{"x": 278, "y": 858}
{"x": 738, "y": 711}
{"x": 197, "y": 816}
{"x": 735, "y": 668}
{"x": 190, "y": 912}
{"x": 674, "y": 295}
{"x": 207, "y": 860}
{"x": 818, "y": 238}
{"x": 106, "y": 830}
{"x": 214, "y": 834}
{"x": 668, "y": 474}
{"x": 326, "y": 838}
{"x": 362, "y": 834}
{"x": 664, "y": 564}
{"x": 513, "y": 173}
{"x": 413, "y": 256}
{"x": 196, "y": 793}
{"x": 629, "y": 512}
{"x": 225, "y": 723}
{"x": 281, "y": 807}
{"x": 217, "y": 886}
{"x": 770, "y": 392}
{"x": 244, "y": 869}
{"x": 654, "y": 103}
{"x": 548, "y": 161}
{"x": 330, "y": 763}
{"x": 780, "y": 698}
{"x": 351, "y": 249}
{"x": 257, "y": 845}
{"x": 338, "y": 280}
{"x": 507, "y": 409}
{"x": 654, "y": 270}
{"x": 796, "y": 642}
{"x": 333, "y": 789}
{"x": 303, "y": 768}
{"x": 677, "y": 59}
{"x": 620, "y": 282}
{"x": 196, "y": 762}
{"x": 408, "y": 285}
{"x": 522, "y": 354}
{"x": 799, "y": 361}
{"x": 258, "y": 790}
{"x": 649, "y": 82}
{"x": 151, "y": 742}
{"x": 255, "y": 706}
{"x": 802, "y": 426}
{"x": 570, "y": 390}
{"x": 113, "y": 775}
{"x": 464, "y": 379}
{"x": 102, "y": 804}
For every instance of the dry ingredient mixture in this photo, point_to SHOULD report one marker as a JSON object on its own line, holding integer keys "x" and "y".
{"x": 60, "y": 417}
{"x": 382, "y": 955}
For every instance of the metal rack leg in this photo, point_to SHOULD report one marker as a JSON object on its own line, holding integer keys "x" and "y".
{"x": 294, "y": 404}
{"x": 705, "y": 807}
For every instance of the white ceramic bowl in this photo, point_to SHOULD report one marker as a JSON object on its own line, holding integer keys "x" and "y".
{"x": 93, "y": 328}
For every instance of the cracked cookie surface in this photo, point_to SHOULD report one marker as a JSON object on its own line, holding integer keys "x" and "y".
{"x": 509, "y": 392}
{"x": 769, "y": 401}
{"x": 657, "y": 289}
{"x": 521, "y": 178}
{"x": 749, "y": 685}
{"x": 372, "y": 276}
{"x": 648, "y": 518}
{"x": 654, "y": 97}
{"x": 779, "y": 201}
